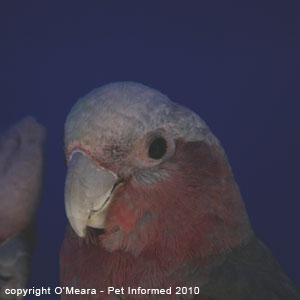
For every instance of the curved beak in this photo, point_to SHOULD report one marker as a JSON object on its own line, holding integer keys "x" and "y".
{"x": 87, "y": 193}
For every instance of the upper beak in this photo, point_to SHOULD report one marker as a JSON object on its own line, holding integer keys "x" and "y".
{"x": 87, "y": 192}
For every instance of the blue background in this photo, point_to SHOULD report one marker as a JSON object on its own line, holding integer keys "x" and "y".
{"x": 236, "y": 65}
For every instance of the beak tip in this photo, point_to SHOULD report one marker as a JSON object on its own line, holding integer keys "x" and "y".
{"x": 81, "y": 233}
{"x": 79, "y": 226}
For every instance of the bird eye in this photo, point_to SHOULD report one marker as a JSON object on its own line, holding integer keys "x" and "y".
{"x": 157, "y": 148}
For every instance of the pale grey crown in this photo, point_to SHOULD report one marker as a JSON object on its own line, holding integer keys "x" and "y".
{"x": 122, "y": 112}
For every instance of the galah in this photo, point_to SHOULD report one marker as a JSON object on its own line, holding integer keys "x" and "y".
{"x": 153, "y": 205}
{"x": 21, "y": 178}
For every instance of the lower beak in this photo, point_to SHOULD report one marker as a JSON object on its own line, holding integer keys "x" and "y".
{"x": 88, "y": 191}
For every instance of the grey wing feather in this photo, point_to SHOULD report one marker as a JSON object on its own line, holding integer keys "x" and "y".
{"x": 15, "y": 261}
{"x": 250, "y": 273}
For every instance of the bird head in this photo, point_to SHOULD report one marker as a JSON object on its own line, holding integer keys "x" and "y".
{"x": 150, "y": 173}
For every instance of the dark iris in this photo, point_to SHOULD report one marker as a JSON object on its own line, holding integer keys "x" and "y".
{"x": 157, "y": 148}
